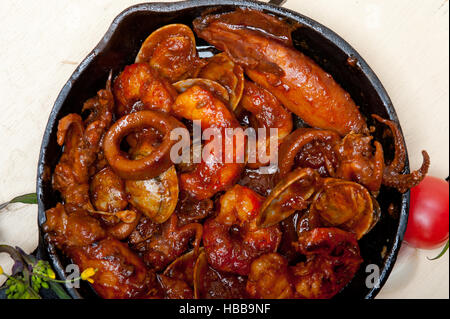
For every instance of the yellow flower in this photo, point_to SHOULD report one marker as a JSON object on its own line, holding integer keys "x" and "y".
{"x": 51, "y": 273}
{"x": 1, "y": 270}
{"x": 88, "y": 273}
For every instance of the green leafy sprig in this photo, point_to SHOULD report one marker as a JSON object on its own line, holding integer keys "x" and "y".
{"x": 442, "y": 253}
{"x": 30, "y": 198}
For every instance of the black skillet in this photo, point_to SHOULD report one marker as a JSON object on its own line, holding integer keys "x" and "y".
{"x": 119, "y": 47}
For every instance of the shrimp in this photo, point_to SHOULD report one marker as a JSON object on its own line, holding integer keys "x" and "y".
{"x": 232, "y": 240}
{"x": 213, "y": 174}
{"x": 270, "y": 278}
{"x": 139, "y": 87}
{"x": 267, "y": 109}
{"x": 333, "y": 258}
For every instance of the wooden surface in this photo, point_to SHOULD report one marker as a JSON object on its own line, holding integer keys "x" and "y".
{"x": 404, "y": 41}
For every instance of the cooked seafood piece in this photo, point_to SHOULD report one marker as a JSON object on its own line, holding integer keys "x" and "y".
{"x": 139, "y": 87}
{"x": 295, "y": 79}
{"x": 156, "y": 197}
{"x": 212, "y": 284}
{"x": 289, "y": 195}
{"x": 345, "y": 205}
{"x": 333, "y": 259}
{"x": 392, "y": 174}
{"x": 222, "y": 225}
{"x": 75, "y": 229}
{"x": 120, "y": 272}
{"x": 222, "y": 69}
{"x": 183, "y": 267}
{"x": 154, "y": 163}
{"x": 215, "y": 173}
{"x": 232, "y": 240}
{"x": 171, "y": 50}
{"x": 269, "y": 114}
{"x": 213, "y": 86}
{"x": 108, "y": 191}
{"x": 164, "y": 247}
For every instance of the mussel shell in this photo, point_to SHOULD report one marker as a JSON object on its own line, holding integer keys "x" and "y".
{"x": 209, "y": 283}
{"x": 174, "y": 63}
{"x": 222, "y": 69}
{"x": 157, "y": 197}
{"x": 376, "y": 213}
{"x": 272, "y": 210}
{"x": 183, "y": 267}
{"x": 200, "y": 269}
{"x": 345, "y": 205}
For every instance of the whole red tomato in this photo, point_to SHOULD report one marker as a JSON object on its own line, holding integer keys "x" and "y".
{"x": 428, "y": 215}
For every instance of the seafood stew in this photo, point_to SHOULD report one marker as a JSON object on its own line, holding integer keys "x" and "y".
{"x": 177, "y": 224}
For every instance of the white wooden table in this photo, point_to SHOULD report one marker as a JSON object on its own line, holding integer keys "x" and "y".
{"x": 404, "y": 41}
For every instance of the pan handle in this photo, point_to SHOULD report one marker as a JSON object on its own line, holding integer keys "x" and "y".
{"x": 277, "y": 2}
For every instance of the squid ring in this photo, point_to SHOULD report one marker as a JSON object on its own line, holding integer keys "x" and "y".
{"x": 149, "y": 166}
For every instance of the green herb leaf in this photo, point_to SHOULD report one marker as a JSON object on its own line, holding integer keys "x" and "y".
{"x": 26, "y": 199}
{"x": 442, "y": 252}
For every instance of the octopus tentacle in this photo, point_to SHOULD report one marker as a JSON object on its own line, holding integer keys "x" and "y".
{"x": 122, "y": 230}
{"x": 404, "y": 182}
{"x": 398, "y": 163}
{"x": 294, "y": 143}
{"x": 81, "y": 141}
{"x": 358, "y": 163}
{"x": 378, "y": 168}
{"x": 392, "y": 176}
{"x": 71, "y": 120}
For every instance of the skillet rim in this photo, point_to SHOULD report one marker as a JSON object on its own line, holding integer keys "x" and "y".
{"x": 46, "y": 248}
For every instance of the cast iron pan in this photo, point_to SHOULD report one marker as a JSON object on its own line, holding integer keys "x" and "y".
{"x": 119, "y": 47}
